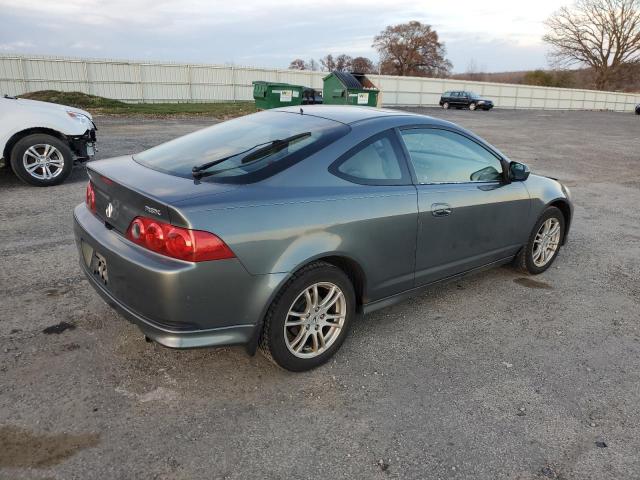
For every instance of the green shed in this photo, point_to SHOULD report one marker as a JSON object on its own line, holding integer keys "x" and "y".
{"x": 272, "y": 95}
{"x": 344, "y": 88}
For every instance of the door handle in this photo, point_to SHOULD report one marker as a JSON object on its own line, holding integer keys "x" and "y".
{"x": 440, "y": 209}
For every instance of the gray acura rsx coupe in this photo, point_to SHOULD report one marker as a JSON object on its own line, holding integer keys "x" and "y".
{"x": 276, "y": 229}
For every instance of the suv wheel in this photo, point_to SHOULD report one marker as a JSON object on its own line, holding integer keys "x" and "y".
{"x": 445, "y": 105}
{"x": 41, "y": 160}
{"x": 472, "y": 106}
{"x": 309, "y": 319}
{"x": 544, "y": 243}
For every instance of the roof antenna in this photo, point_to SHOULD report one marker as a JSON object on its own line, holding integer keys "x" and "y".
{"x": 301, "y": 111}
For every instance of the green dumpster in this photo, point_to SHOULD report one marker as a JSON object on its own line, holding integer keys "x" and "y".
{"x": 272, "y": 95}
{"x": 344, "y": 88}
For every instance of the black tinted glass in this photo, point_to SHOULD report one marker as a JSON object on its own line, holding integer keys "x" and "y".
{"x": 179, "y": 156}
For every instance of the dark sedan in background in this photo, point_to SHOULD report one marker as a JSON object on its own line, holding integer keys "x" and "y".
{"x": 275, "y": 229}
{"x": 463, "y": 99}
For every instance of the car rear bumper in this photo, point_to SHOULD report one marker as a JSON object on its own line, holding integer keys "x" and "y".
{"x": 178, "y": 304}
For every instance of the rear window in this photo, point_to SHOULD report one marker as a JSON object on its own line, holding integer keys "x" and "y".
{"x": 235, "y": 139}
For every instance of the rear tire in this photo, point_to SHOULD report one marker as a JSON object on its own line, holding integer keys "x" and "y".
{"x": 299, "y": 332}
{"x": 543, "y": 245}
{"x": 472, "y": 106}
{"x": 41, "y": 160}
{"x": 445, "y": 105}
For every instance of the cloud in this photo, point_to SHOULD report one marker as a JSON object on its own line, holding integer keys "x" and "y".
{"x": 15, "y": 46}
{"x": 270, "y": 32}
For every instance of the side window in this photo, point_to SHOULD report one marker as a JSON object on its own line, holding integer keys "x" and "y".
{"x": 376, "y": 161}
{"x": 442, "y": 156}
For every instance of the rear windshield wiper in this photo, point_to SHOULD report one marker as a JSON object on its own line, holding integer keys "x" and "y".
{"x": 267, "y": 147}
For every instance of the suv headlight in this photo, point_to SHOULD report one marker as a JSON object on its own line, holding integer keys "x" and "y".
{"x": 86, "y": 121}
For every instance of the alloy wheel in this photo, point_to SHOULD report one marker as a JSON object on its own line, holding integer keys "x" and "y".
{"x": 43, "y": 161}
{"x": 315, "y": 320}
{"x": 547, "y": 241}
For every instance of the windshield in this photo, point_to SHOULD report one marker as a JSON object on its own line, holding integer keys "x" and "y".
{"x": 233, "y": 138}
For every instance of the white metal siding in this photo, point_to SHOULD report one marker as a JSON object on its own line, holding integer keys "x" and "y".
{"x": 132, "y": 81}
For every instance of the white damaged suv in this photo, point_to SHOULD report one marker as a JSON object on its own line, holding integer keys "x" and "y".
{"x": 41, "y": 141}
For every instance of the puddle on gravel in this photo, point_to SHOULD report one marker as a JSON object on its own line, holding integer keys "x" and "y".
{"x": 531, "y": 283}
{"x": 55, "y": 292}
{"x": 58, "y": 328}
{"x": 20, "y": 448}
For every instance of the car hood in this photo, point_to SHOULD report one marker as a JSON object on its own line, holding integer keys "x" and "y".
{"x": 38, "y": 106}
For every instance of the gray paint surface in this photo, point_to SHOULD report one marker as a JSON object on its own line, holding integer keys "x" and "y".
{"x": 303, "y": 213}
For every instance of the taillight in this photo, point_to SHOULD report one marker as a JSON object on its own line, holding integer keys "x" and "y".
{"x": 90, "y": 198}
{"x": 177, "y": 242}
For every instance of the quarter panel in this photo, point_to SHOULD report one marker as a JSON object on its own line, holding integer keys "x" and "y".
{"x": 373, "y": 225}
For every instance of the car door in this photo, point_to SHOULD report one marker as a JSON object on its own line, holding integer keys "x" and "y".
{"x": 463, "y": 101}
{"x": 468, "y": 215}
{"x": 380, "y": 201}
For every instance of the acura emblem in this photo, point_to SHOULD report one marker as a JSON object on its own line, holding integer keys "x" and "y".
{"x": 109, "y": 210}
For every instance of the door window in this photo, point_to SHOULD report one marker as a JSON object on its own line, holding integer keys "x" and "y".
{"x": 442, "y": 156}
{"x": 376, "y": 161}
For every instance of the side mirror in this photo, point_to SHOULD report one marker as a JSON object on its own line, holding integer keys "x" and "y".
{"x": 518, "y": 172}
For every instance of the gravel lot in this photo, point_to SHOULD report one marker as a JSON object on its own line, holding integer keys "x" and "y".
{"x": 497, "y": 376}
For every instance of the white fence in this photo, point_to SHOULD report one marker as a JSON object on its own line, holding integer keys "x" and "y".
{"x": 132, "y": 81}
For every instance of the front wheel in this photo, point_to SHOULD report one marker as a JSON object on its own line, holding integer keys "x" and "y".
{"x": 41, "y": 160}
{"x": 472, "y": 106}
{"x": 445, "y": 105}
{"x": 309, "y": 319}
{"x": 544, "y": 243}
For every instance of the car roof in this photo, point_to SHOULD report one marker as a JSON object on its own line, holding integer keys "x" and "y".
{"x": 345, "y": 114}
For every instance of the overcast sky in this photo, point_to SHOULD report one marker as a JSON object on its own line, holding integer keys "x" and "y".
{"x": 497, "y": 35}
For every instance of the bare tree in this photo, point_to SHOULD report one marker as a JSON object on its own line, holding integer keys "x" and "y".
{"x": 411, "y": 49}
{"x": 328, "y": 63}
{"x": 343, "y": 63}
{"x": 313, "y": 65}
{"x": 297, "y": 64}
{"x": 362, "y": 65}
{"x": 602, "y": 34}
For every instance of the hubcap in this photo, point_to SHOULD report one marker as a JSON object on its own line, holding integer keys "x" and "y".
{"x": 43, "y": 161}
{"x": 546, "y": 242}
{"x": 315, "y": 320}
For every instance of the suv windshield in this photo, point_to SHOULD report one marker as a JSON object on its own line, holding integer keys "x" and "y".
{"x": 233, "y": 138}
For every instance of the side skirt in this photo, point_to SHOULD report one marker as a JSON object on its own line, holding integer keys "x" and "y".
{"x": 397, "y": 298}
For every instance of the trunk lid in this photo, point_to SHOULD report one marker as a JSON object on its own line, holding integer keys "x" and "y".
{"x": 124, "y": 189}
